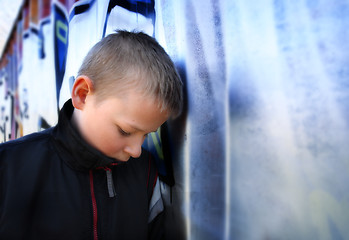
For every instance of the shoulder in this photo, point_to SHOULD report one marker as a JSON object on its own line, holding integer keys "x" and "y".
{"x": 144, "y": 169}
{"x": 29, "y": 142}
{"x": 145, "y": 161}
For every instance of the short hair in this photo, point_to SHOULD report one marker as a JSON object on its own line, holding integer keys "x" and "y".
{"x": 123, "y": 60}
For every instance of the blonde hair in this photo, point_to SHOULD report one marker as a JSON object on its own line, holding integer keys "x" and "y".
{"x": 133, "y": 60}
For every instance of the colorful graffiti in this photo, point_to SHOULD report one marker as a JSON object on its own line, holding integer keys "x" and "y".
{"x": 260, "y": 151}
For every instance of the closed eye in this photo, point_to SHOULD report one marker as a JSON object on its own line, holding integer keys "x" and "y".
{"x": 123, "y": 133}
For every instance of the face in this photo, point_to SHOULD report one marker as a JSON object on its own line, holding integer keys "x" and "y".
{"x": 118, "y": 126}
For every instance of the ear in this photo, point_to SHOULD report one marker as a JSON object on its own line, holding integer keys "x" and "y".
{"x": 82, "y": 87}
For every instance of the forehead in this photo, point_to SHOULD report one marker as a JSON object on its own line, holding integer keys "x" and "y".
{"x": 136, "y": 111}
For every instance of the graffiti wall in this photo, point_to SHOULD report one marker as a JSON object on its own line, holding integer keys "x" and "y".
{"x": 261, "y": 149}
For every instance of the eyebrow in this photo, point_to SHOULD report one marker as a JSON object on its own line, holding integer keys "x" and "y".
{"x": 138, "y": 129}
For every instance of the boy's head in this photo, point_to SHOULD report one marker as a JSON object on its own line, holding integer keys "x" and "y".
{"x": 126, "y": 88}
{"x": 130, "y": 61}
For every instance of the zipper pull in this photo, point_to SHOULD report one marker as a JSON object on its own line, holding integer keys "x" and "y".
{"x": 110, "y": 183}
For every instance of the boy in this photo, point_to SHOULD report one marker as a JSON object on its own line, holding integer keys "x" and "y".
{"x": 88, "y": 177}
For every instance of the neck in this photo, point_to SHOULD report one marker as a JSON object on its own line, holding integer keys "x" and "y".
{"x": 75, "y": 119}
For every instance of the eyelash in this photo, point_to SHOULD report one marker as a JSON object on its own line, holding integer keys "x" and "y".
{"x": 126, "y": 134}
{"x": 123, "y": 133}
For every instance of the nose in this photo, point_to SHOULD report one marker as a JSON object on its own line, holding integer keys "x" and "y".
{"x": 134, "y": 148}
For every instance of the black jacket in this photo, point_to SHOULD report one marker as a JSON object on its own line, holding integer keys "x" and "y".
{"x": 53, "y": 185}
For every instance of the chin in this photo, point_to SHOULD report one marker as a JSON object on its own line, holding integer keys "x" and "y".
{"x": 122, "y": 159}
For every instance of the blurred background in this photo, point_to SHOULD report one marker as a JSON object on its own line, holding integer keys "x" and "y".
{"x": 261, "y": 149}
{"x": 8, "y": 14}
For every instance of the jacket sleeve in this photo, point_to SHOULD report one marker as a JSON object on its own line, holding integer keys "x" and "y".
{"x": 156, "y": 228}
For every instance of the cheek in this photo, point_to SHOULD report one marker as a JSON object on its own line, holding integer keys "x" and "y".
{"x": 102, "y": 136}
{"x": 112, "y": 143}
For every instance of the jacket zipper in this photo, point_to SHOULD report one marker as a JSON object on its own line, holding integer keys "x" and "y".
{"x": 110, "y": 182}
{"x": 111, "y": 191}
{"x": 94, "y": 207}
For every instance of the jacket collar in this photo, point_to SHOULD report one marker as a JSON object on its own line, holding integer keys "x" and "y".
{"x": 72, "y": 148}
